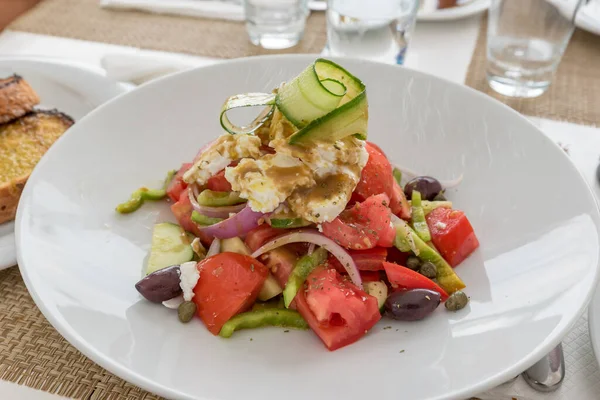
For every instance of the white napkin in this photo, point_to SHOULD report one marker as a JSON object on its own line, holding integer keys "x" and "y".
{"x": 588, "y": 17}
{"x": 140, "y": 67}
{"x": 214, "y": 9}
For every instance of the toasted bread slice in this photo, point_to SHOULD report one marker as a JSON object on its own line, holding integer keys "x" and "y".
{"x": 17, "y": 98}
{"x": 22, "y": 143}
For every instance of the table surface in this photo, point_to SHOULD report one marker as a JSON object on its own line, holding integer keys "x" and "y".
{"x": 443, "y": 49}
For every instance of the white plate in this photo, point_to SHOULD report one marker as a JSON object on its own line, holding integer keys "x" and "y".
{"x": 528, "y": 282}
{"x": 74, "y": 89}
{"x": 468, "y": 10}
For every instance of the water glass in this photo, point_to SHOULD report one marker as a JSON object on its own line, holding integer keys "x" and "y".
{"x": 376, "y": 30}
{"x": 275, "y": 24}
{"x": 526, "y": 40}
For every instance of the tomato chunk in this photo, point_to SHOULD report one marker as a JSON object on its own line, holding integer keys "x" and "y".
{"x": 365, "y": 260}
{"x": 452, "y": 234}
{"x": 370, "y": 276}
{"x": 339, "y": 312}
{"x": 229, "y": 284}
{"x": 182, "y": 210}
{"x": 398, "y": 203}
{"x": 364, "y": 226}
{"x": 376, "y": 177}
{"x": 403, "y": 278}
{"x": 218, "y": 183}
{"x": 177, "y": 185}
{"x": 261, "y": 235}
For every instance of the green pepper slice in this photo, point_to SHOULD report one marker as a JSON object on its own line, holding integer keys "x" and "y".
{"x": 203, "y": 219}
{"x": 264, "y": 317}
{"x": 418, "y": 217}
{"x": 304, "y": 266}
{"x": 142, "y": 194}
{"x": 446, "y": 276}
{"x": 212, "y": 198}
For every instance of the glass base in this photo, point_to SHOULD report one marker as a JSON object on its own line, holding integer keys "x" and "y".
{"x": 275, "y": 41}
{"x": 516, "y": 88}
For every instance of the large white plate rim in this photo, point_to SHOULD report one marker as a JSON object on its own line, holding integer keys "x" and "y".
{"x": 76, "y": 340}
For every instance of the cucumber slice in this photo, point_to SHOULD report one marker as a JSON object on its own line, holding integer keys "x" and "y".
{"x": 326, "y": 102}
{"x": 247, "y": 100}
{"x": 347, "y": 120}
{"x": 377, "y": 289}
{"x": 288, "y": 222}
{"x": 170, "y": 246}
{"x": 269, "y": 289}
{"x": 235, "y": 245}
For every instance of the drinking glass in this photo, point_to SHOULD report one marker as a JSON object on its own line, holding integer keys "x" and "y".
{"x": 275, "y": 24}
{"x": 525, "y": 41}
{"x": 376, "y": 30}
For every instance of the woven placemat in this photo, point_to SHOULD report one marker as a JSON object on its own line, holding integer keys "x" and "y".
{"x": 574, "y": 94}
{"x": 84, "y": 19}
{"x": 33, "y": 353}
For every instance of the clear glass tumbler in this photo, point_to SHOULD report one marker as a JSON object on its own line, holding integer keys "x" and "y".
{"x": 376, "y": 30}
{"x": 275, "y": 24}
{"x": 526, "y": 40}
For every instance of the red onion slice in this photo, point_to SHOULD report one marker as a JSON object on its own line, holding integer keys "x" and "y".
{"x": 313, "y": 236}
{"x": 237, "y": 225}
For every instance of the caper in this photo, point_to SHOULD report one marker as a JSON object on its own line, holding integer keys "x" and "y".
{"x": 428, "y": 269}
{"x": 186, "y": 311}
{"x": 457, "y": 301}
{"x": 440, "y": 197}
{"x": 413, "y": 263}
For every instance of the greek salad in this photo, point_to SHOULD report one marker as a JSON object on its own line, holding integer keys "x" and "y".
{"x": 298, "y": 221}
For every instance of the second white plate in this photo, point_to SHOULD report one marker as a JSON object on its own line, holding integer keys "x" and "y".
{"x": 74, "y": 89}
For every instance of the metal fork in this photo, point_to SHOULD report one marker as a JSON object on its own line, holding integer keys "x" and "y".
{"x": 548, "y": 374}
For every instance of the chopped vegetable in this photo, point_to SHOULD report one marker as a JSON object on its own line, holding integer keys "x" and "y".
{"x": 170, "y": 246}
{"x": 142, "y": 194}
{"x": 186, "y": 311}
{"x": 413, "y": 262}
{"x": 229, "y": 284}
{"x": 247, "y": 100}
{"x": 446, "y": 277}
{"x": 429, "y": 206}
{"x": 338, "y": 311}
{"x": 397, "y": 175}
{"x": 402, "y": 278}
{"x": 313, "y": 236}
{"x": 303, "y": 268}
{"x": 418, "y": 217}
{"x": 204, "y": 220}
{"x": 429, "y": 270}
{"x": 237, "y": 225}
{"x": 326, "y": 102}
{"x": 269, "y": 289}
{"x": 457, "y": 301}
{"x": 265, "y": 317}
{"x": 452, "y": 234}
{"x": 273, "y": 303}
{"x": 210, "y": 198}
{"x": 377, "y": 289}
